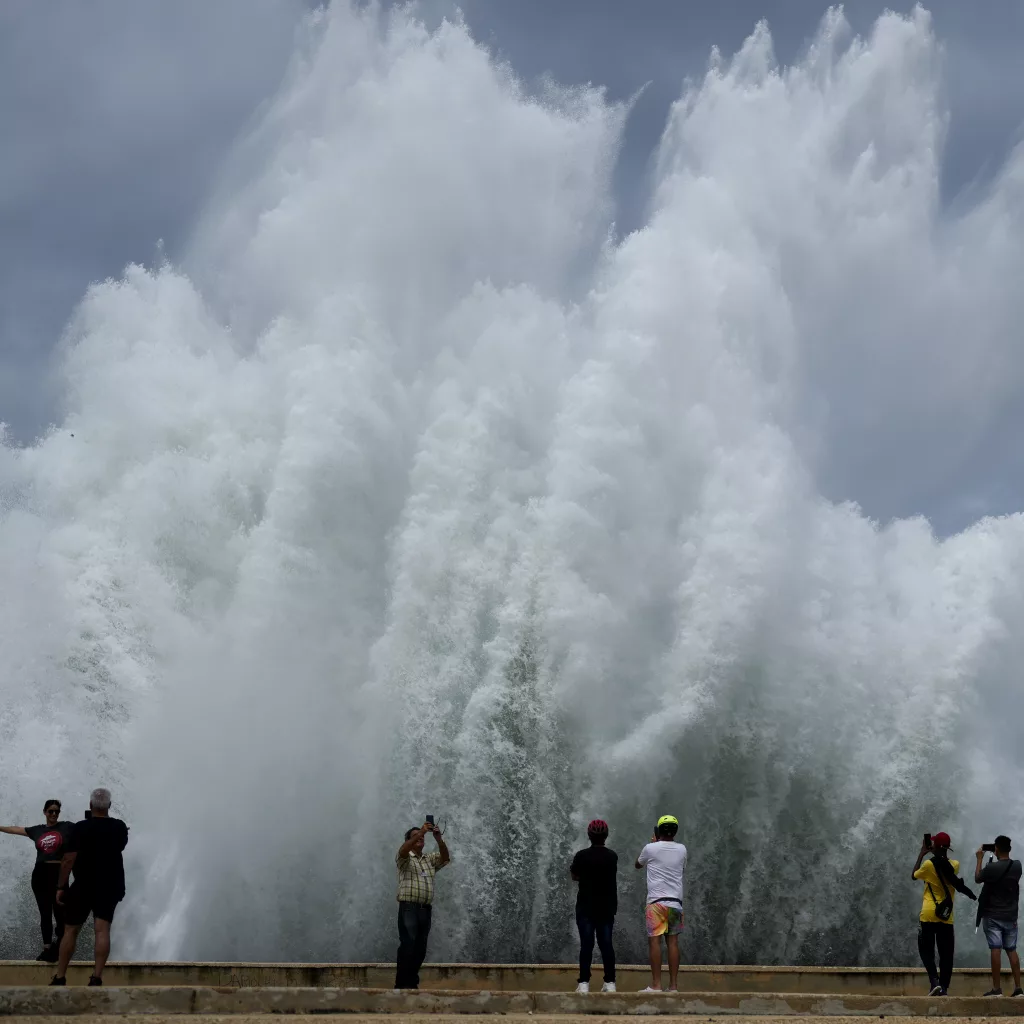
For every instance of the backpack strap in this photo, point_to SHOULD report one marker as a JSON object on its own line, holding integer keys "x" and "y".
{"x": 947, "y": 895}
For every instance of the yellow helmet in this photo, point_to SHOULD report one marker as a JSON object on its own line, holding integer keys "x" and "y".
{"x": 668, "y": 819}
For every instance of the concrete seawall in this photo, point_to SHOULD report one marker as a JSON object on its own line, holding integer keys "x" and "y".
{"x": 900, "y": 982}
{"x": 182, "y": 1001}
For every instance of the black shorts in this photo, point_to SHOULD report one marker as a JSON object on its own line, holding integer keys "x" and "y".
{"x": 81, "y": 901}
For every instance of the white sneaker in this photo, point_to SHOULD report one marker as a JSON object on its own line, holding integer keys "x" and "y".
{"x": 583, "y": 988}
{"x": 649, "y": 989}
{"x": 608, "y": 986}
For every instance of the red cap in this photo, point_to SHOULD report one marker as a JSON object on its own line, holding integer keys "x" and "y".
{"x": 940, "y": 839}
{"x": 597, "y": 828}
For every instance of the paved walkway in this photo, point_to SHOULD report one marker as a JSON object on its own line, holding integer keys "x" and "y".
{"x": 438, "y": 1018}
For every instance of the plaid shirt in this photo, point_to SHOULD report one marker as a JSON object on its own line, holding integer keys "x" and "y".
{"x": 416, "y": 877}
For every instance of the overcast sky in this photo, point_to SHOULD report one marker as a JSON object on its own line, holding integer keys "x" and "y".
{"x": 115, "y": 117}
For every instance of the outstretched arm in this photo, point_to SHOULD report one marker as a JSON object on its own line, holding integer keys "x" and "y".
{"x": 977, "y": 867}
{"x": 13, "y": 830}
{"x": 961, "y": 886}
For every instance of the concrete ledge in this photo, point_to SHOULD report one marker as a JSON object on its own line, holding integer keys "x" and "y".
{"x": 141, "y": 1000}
{"x": 891, "y": 982}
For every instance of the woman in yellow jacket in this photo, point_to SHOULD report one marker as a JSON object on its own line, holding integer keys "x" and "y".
{"x": 936, "y": 921}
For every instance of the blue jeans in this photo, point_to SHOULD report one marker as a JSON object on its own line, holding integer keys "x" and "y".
{"x": 602, "y": 931}
{"x": 1000, "y": 934}
{"x": 413, "y": 929}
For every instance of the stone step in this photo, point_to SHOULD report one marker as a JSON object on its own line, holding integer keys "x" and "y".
{"x": 186, "y": 1000}
{"x": 870, "y": 981}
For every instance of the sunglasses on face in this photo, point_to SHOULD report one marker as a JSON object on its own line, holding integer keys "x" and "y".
{"x": 53, "y": 810}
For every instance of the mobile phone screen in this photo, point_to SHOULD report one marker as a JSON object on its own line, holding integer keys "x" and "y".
{"x": 430, "y": 819}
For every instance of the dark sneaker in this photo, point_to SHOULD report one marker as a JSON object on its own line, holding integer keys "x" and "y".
{"x": 1017, "y": 992}
{"x": 45, "y": 955}
{"x": 57, "y": 981}
{"x": 936, "y": 990}
{"x": 994, "y": 992}
{"x": 93, "y": 981}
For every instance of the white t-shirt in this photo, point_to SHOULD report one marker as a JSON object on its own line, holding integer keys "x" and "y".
{"x": 665, "y": 863}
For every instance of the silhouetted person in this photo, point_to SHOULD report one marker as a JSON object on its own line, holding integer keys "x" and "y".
{"x": 596, "y": 904}
{"x": 94, "y": 855}
{"x": 50, "y": 839}
{"x": 997, "y": 911}
{"x": 415, "y": 900}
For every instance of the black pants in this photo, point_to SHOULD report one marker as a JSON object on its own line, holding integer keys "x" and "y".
{"x": 928, "y": 937}
{"x": 413, "y": 929}
{"x": 44, "y": 888}
{"x": 602, "y": 931}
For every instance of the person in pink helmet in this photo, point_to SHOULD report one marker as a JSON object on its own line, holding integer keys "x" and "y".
{"x": 935, "y": 929}
{"x": 596, "y": 903}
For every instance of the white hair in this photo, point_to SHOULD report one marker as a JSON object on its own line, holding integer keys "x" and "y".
{"x": 99, "y": 799}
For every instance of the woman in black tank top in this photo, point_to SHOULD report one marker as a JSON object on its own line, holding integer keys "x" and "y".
{"x": 50, "y": 840}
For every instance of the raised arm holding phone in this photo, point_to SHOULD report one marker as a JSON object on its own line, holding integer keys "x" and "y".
{"x": 665, "y": 860}
{"x": 935, "y": 927}
{"x": 416, "y": 872}
{"x": 997, "y": 909}
{"x": 94, "y": 854}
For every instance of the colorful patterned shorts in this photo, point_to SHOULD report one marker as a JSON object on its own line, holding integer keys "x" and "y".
{"x": 664, "y": 919}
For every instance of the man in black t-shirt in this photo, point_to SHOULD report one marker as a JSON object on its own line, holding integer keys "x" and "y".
{"x": 997, "y": 910}
{"x": 94, "y": 855}
{"x": 596, "y": 904}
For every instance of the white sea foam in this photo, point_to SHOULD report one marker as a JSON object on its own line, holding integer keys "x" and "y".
{"x": 410, "y": 491}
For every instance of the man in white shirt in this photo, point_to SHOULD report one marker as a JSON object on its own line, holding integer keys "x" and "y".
{"x": 665, "y": 860}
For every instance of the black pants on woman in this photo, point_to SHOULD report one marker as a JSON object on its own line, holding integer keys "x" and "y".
{"x": 44, "y": 888}
{"x": 929, "y": 936}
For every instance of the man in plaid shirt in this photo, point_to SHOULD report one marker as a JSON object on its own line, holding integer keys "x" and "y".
{"x": 415, "y": 898}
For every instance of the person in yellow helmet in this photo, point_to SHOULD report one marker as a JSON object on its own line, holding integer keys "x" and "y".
{"x": 665, "y": 861}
